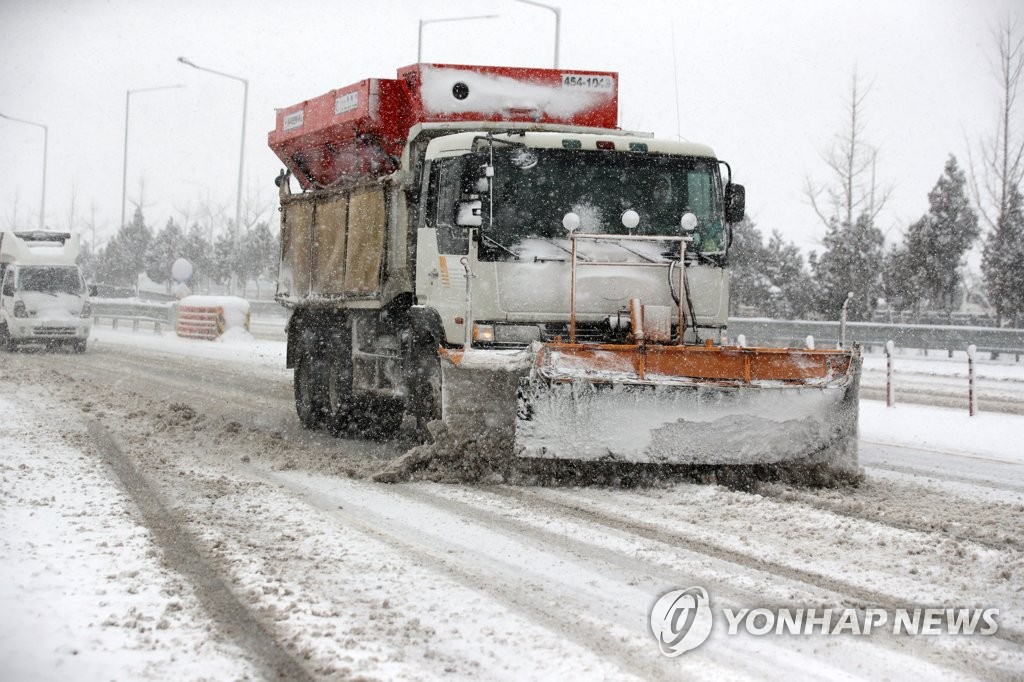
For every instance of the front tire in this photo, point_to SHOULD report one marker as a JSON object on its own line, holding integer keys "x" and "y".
{"x": 6, "y": 340}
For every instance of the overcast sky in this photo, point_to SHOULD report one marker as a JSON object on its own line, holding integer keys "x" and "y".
{"x": 764, "y": 83}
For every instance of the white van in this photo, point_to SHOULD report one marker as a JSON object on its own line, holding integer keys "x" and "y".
{"x": 43, "y": 296}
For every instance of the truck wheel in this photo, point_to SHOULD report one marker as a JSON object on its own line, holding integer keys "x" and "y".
{"x": 378, "y": 418}
{"x": 424, "y": 368}
{"x": 339, "y": 389}
{"x": 310, "y": 391}
{"x": 79, "y": 346}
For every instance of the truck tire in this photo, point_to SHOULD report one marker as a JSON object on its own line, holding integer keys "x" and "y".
{"x": 378, "y": 417}
{"x": 79, "y": 346}
{"x": 310, "y": 383}
{"x": 424, "y": 371}
{"x": 339, "y": 387}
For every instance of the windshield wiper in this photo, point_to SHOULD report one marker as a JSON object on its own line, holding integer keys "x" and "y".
{"x": 495, "y": 242}
{"x": 636, "y": 253}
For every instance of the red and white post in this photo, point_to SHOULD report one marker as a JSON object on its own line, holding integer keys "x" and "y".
{"x": 972, "y": 396}
{"x": 890, "y": 393}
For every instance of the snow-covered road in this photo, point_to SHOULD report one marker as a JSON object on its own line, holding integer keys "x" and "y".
{"x": 425, "y": 581}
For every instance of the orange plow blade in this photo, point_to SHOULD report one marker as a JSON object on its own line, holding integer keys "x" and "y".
{"x": 699, "y": 405}
{"x": 690, "y": 405}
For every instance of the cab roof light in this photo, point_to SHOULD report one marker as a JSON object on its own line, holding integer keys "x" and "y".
{"x": 638, "y": 146}
{"x": 605, "y": 144}
{"x": 572, "y": 144}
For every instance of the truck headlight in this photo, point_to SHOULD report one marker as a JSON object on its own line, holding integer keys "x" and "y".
{"x": 20, "y": 310}
{"x": 483, "y": 333}
{"x": 86, "y": 310}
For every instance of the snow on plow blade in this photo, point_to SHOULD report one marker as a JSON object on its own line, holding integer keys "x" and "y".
{"x": 700, "y": 405}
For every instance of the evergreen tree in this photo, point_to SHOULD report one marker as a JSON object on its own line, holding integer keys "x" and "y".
{"x": 167, "y": 247}
{"x": 124, "y": 257}
{"x": 1002, "y": 261}
{"x": 852, "y": 261}
{"x": 746, "y": 253}
{"x": 224, "y": 261}
{"x": 199, "y": 252}
{"x": 770, "y": 278}
{"x": 789, "y": 292}
{"x": 936, "y": 244}
{"x": 259, "y": 254}
{"x": 900, "y": 284}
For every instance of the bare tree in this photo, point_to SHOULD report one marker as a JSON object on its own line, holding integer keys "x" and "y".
{"x": 853, "y": 189}
{"x": 12, "y": 214}
{"x": 72, "y": 207}
{"x": 1001, "y": 156}
{"x": 254, "y": 206}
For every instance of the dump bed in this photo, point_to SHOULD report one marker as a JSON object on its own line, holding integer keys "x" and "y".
{"x": 360, "y": 129}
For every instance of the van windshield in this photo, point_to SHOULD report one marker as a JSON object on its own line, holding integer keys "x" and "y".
{"x": 51, "y": 280}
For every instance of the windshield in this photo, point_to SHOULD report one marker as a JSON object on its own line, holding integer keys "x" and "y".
{"x": 534, "y": 188}
{"x": 51, "y": 280}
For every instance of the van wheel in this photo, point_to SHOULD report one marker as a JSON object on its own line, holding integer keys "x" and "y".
{"x": 6, "y": 341}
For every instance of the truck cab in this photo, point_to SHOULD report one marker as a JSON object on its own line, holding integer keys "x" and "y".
{"x": 43, "y": 296}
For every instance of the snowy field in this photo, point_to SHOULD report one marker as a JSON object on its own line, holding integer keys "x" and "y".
{"x": 351, "y": 579}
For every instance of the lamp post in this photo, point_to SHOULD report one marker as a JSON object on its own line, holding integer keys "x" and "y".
{"x": 46, "y": 141}
{"x": 124, "y": 171}
{"x": 558, "y": 22}
{"x": 241, "y": 153}
{"x": 424, "y": 22}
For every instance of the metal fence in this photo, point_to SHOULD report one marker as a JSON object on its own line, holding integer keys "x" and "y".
{"x": 758, "y": 331}
{"x": 766, "y": 332}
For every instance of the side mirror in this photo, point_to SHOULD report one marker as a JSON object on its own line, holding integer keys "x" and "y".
{"x": 735, "y": 203}
{"x": 93, "y": 291}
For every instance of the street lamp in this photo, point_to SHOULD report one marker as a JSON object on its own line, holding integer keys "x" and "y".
{"x": 424, "y": 22}
{"x": 241, "y": 153}
{"x": 558, "y": 22}
{"x": 124, "y": 172}
{"x": 46, "y": 141}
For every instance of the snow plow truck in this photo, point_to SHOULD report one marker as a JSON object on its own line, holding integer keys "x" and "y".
{"x": 484, "y": 246}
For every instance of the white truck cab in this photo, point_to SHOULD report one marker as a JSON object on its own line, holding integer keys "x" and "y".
{"x": 43, "y": 296}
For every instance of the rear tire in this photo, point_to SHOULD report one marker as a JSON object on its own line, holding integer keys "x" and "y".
{"x": 310, "y": 383}
{"x": 378, "y": 418}
{"x": 339, "y": 386}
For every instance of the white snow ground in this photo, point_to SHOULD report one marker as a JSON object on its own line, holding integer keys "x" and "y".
{"x": 84, "y": 596}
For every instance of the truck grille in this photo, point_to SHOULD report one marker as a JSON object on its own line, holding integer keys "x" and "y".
{"x": 585, "y": 333}
{"x": 54, "y": 331}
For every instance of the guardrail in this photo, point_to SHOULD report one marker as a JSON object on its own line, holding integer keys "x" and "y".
{"x": 758, "y": 331}
{"x": 767, "y": 332}
{"x": 156, "y": 314}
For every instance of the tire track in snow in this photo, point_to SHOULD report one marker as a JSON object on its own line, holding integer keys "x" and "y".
{"x": 852, "y": 509}
{"x": 855, "y": 593}
{"x": 180, "y": 551}
{"x": 659, "y": 575}
{"x": 519, "y": 591}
